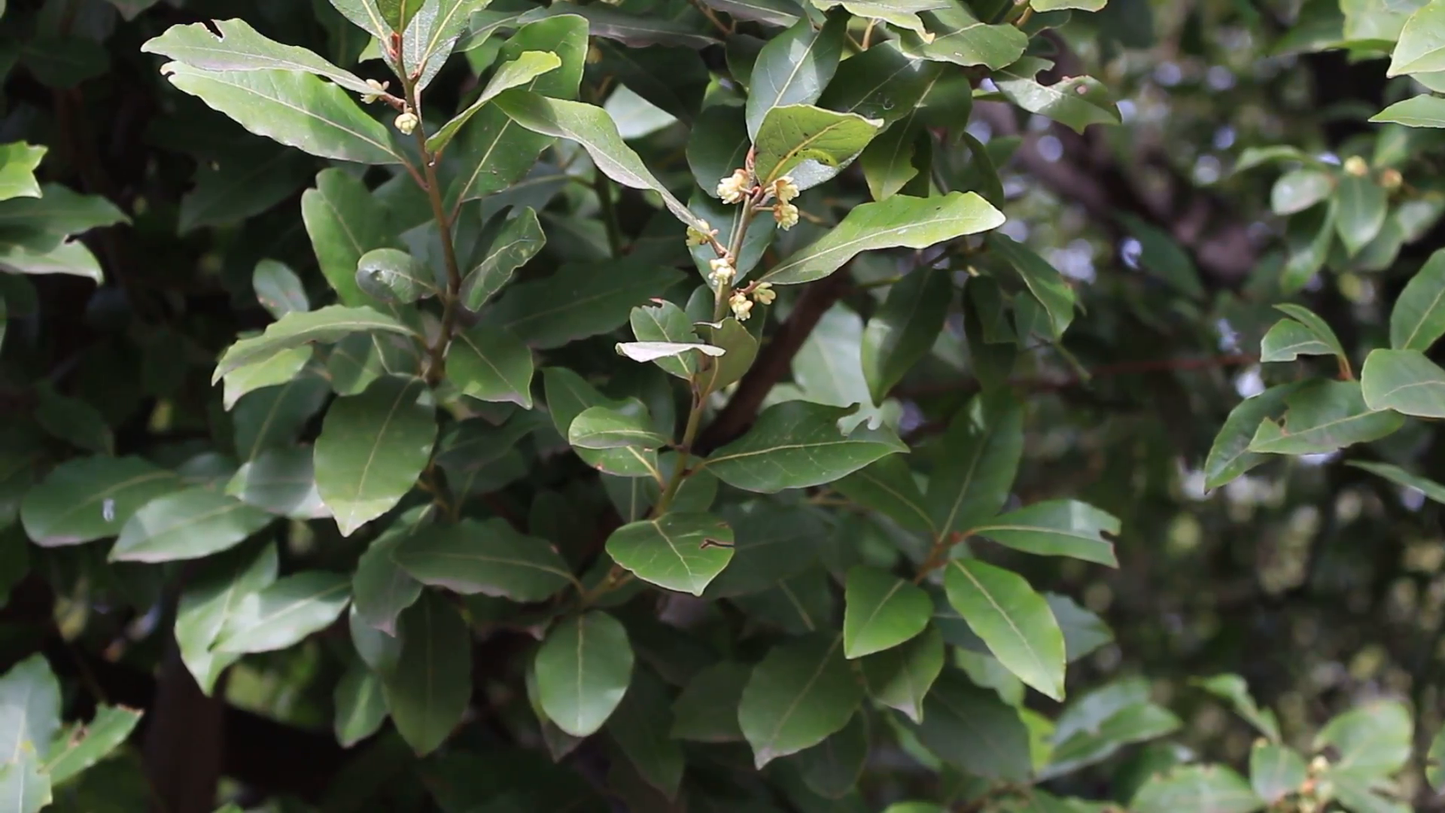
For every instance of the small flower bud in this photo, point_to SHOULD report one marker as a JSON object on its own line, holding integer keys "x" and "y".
{"x": 722, "y": 271}
{"x": 699, "y": 237}
{"x": 786, "y": 214}
{"x": 1391, "y": 179}
{"x": 735, "y": 187}
{"x": 1318, "y": 765}
{"x": 1356, "y": 166}
{"x": 740, "y": 306}
{"x": 407, "y": 123}
{"x": 764, "y": 294}
{"x": 379, "y": 87}
{"x": 785, "y": 189}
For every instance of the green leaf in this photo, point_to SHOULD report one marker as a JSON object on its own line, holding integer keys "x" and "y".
{"x": 393, "y": 276}
{"x": 970, "y": 728}
{"x": 717, "y": 145}
{"x": 380, "y": 587}
{"x": 293, "y": 108}
{"x": 1229, "y": 456}
{"x": 793, "y": 68}
{"x": 233, "y": 45}
{"x": 1435, "y": 762}
{"x": 740, "y": 349}
{"x": 771, "y": 543}
{"x": 275, "y": 371}
{"x": 833, "y": 767}
{"x": 1288, "y": 340}
{"x": 517, "y": 72}
{"x": 1056, "y": 528}
{"x": 60, "y": 212}
{"x": 808, "y": 143}
{"x": 904, "y": 329}
{"x": 583, "y": 669}
{"x": 278, "y": 289}
{"x": 518, "y": 241}
{"x": 796, "y": 444}
{"x": 360, "y": 704}
{"x": 1076, "y": 102}
{"x": 881, "y": 82}
{"x": 567, "y": 396}
{"x": 1362, "y": 205}
{"x": 1404, "y": 381}
{"x": 781, "y": 13}
{"x": 1016, "y": 623}
{"x": 274, "y": 417}
{"x": 1299, "y": 189}
{"x": 891, "y": 160}
{"x": 189, "y": 524}
{"x": 367, "y": 15}
{"x": 900, "y": 677}
{"x": 881, "y": 612}
{"x": 959, "y": 37}
{"x": 498, "y": 150}
{"x": 23, "y": 786}
{"x": 1418, "y": 318}
{"x": 18, "y": 161}
{"x": 329, "y": 324}
{"x": 72, "y": 259}
{"x": 631, "y": 29}
{"x": 1233, "y": 690}
{"x": 677, "y": 551}
{"x": 372, "y": 448}
{"x": 1275, "y": 771}
{"x": 285, "y": 612}
{"x": 89, "y": 744}
{"x": 601, "y": 427}
{"x": 210, "y": 603}
{"x": 597, "y": 133}
{"x": 707, "y": 708}
{"x": 900, "y": 221}
{"x": 91, "y": 498}
{"x": 29, "y": 709}
{"x": 1042, "y": 280}
{"x": 1421, "y": 48}
{"x": 432, "y": 36}
{"x": 641, "y": 727}
{"x": 1196, "y": 789}
{"x": 1418, "y": 111}
{"x": 887, "y": 486}
{"x": 1399, "y": 476}
{"x": 487, "y": 557}
{"x": 72, "y": 420}
{"x": 980, "y": 456}
{"x": 665, "y": 335}
{"x": 579, "y": 300}
{"x": 344, "y": 221}
{"x": 801, "y": 693}
{"x": 490, "y": 364}
{"x": 1057, "y": 5}
{"x": 1161, "y": 256}
{"x": 1308, "y": 238}
{"x": 1322, "y": 416}
{"x": 428, "y": 692}
{"x": 1373, "y": 738}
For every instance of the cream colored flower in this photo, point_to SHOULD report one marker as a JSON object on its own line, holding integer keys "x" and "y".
{"x": 379, "y": 87}
{"x": 786, "y": 214}
{"x": 764, "y": 294}
{"x": 741, "y": 305}
{"x": 722, "y": 271}
{"x": 785, "y": 189}
{"x": 407, "y": 123}
{"x": 1356, "y": 166}
{"x": 700, "y": 237}
{"x": 1391, "y": 179}
{"x": 735, "y": 187}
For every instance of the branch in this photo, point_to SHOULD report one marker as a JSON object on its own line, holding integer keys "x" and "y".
{"x": 773, "y": 363}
